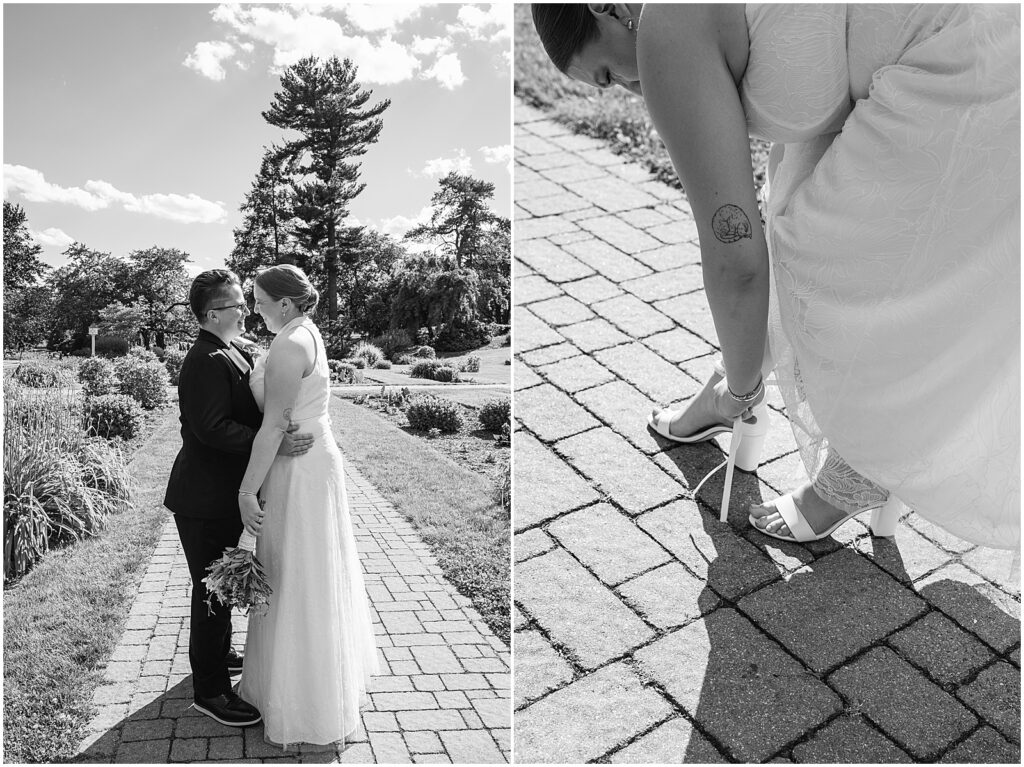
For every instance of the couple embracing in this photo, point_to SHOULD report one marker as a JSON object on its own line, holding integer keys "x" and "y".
{"x": 258, "y": 454}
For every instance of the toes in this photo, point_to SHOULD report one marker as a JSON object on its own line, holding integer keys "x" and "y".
{"x": 758, "y": 511}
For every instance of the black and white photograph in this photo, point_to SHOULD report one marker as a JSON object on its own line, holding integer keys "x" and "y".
{"x": 257, "y": 370}
{"x": 767, "y": 383}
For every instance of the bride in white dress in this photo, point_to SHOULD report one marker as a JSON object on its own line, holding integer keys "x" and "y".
{"x": 884, "y": 286}
{"x": 309, "y": 659}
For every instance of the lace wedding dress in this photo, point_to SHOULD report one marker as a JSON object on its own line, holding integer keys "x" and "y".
{"x": 893, "y": 225}
{"x": 309, "y": 660}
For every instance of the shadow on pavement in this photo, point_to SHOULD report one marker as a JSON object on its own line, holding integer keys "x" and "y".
{"x": 169, "y": 729}
{"x": 826, "y": 653}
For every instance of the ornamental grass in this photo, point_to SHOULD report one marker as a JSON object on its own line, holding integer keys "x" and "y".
{"x": 60, "y": 485}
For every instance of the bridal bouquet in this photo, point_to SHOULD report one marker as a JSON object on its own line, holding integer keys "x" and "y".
{"x": 237, "y": 579}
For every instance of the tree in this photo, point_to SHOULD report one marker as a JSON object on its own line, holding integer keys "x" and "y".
{"x": 22, "y": 265}
{"x": 472, "y": 236}
{"x": 126, "y": 321}
{"x": 158, "y": 278}
{"x": 26, "y": 303}
{"x": 26, "y": 316}
{"x": 325, "y": 105}
{"x": 461, "y": 220}
{"x": 430, "y": 291}
{"x": 81, "y": 288}
{"x": 264, "y": 238}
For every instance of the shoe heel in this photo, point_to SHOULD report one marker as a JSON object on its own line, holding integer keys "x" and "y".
{"x": 885, "y": 518}
{"x": 752, "y": 436}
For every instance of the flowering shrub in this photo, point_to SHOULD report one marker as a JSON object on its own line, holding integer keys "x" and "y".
{"x": 343, "y": 372}
{"x": 113, "y": 416}
{"x": 425, "y": 352}
{"x": 369, "y": 353}
{"x": 446, "y": 374}
{"x": 392, "y": 342}
{"x": 144, "y": 354}
{"x": 112, "y": 346}
{"x": 97, "y": 377}
{"x": 462, "y": 336}
{"x": 145, "y": 382}
{"x": 172, "y": 360}
{"x": 427, "y": 412}
{"x": 435, "y": 370}
{"x": 35, "y": 375}
{"x": 496, "y": 414}
{"x": 470, "y": 365}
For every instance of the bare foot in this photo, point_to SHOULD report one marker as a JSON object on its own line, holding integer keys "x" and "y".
{"x": 820, "y": 514}
{"x": 699, "y": 414}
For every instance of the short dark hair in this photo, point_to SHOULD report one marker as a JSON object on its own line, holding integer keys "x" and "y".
{"x": 208, "y": 286}
{"x": 564, "y": 28}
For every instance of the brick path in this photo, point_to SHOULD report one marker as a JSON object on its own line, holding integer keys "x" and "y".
{"x": 647, "y": 631}
{"x": 442, "y": 696}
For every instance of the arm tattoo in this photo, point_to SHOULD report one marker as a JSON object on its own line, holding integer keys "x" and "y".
{"x": 730, "y": 224}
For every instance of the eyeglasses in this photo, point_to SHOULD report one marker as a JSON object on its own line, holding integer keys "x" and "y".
{"x": 240, "y": 307}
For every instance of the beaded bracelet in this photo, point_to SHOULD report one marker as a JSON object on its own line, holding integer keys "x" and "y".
{"x": 750, "y": 396}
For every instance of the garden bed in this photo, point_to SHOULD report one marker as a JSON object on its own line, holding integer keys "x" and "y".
{"x": 475, "y": 448}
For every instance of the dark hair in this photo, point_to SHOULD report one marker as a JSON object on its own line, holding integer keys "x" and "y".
{"x": 563, "y": 28}
{"x": 207, "y": 287}
{"x": 288, "y": 281}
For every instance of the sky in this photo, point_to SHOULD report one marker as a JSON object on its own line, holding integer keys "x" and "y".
{"x": 132, "y": 125}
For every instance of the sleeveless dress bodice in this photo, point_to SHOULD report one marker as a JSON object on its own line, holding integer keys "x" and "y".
{"x": 314, "y": 390}
{"x": 809, "y": 64}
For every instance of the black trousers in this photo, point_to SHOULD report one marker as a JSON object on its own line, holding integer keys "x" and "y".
{"x": 204, "y": 541}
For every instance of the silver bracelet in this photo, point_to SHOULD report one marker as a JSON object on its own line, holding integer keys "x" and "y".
{"x": 750, "y": 396}
{"x": 246, "y": 492}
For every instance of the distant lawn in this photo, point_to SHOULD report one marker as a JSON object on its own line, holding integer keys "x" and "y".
{"x": 613, "y": 115}
{"x": 450, "y": 506}
{"x": 64, "y": 618}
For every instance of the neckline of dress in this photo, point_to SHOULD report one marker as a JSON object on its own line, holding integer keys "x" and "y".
{"x": 292, "y": 323}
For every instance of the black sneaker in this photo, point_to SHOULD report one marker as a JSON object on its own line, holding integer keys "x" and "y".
{"x": 228, "y": 709}
{"x": 234, "y": 663}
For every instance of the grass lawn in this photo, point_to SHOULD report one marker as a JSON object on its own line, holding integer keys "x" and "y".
{"x": 63, "y": 619}
{"x": 492, "y": 369}
{"x": 614, "y": 114}
{"x": 451, "y": 506}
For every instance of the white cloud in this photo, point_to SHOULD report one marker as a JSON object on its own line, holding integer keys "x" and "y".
{"x": 380, "y": 16}
{"x": 208, "y": 58}
{"x": 442, "y": 166}
{"x": 296, "y": 33}
{"x": 397, "y": 226}
{"x": 497, "y": 154}
{"x": 53, "y": 237}
{"x": 428, "y": 46}
{"x": 447, "y": 70}
{"x": 493, "y": 22}
{"x": 34, "y": 187}
{"x": 97, "y": 195}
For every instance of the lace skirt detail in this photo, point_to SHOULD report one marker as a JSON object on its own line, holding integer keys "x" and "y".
{"x": 895, "y": 315}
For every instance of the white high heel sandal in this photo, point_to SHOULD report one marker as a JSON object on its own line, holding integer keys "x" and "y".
{"x": 883, "y": 523}
{"x": 748, "y": 438}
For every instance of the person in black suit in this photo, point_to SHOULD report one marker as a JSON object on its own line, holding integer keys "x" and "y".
{"x": 219, "y": 420}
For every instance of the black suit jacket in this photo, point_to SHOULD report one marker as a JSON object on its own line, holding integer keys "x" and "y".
{"x": 219, "y": 419}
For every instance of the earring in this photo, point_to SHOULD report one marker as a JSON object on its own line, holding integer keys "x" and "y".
{"x": 629, "y": 24}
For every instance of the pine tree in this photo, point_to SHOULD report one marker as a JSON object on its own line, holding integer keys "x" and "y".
{"x": 322, "y": 101}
